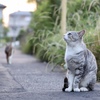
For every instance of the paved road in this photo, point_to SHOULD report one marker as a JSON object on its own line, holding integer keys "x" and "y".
{"x": 29, "y": 79}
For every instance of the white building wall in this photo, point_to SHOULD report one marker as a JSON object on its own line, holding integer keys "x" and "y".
{"x": 16, "y": 23}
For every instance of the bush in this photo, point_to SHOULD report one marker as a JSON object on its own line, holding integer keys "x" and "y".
{"x": 27, "y": 48}
{"x": 47, "y": 42}
{"x": 24, "y": 37}
{"x": 21, "y": 35}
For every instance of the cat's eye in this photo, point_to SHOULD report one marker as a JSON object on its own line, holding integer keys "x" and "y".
{"x": 69, "y": 33}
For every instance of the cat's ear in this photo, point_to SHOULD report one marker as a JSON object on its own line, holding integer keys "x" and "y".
{"x": 81, "y": 33}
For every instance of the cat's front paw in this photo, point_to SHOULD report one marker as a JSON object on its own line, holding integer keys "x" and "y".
{"x": 83, "y": 89}
{"x": 68, "y": 89}
{"x": 76, "y": 90}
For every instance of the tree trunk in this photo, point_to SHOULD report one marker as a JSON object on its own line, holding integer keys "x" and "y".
{"x": 63, "y": 16}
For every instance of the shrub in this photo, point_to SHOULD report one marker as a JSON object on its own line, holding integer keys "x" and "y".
{"x": 47, "y": 42}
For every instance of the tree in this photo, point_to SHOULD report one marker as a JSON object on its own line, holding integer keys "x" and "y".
{"x": 63, "y": 16}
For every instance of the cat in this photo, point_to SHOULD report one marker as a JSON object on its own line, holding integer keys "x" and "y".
{"x": 9, "y": 53}
{"x": 81, "y": 63}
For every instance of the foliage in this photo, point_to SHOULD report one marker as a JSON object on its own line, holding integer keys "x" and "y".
{"x": 21, "y": 34}
{"x": 46, "y": 26}
{"x": 50, "y": 48}
{"x": 5, "y": 37}
{"x": 47, "y": 41}
{"x": 26, "y": 47}
{"x": 3, "y": 32}
{"x": 82, "y": 14}
{"x": 24, "y": 37}
{"x": 42, "y": 18}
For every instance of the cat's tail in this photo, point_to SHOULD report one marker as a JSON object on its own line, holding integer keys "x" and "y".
{"x": 65, "y": 84}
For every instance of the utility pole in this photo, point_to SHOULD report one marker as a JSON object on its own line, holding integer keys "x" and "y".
{"x": 63, "y": 16}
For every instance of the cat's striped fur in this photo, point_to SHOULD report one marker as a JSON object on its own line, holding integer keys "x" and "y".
{"x": 81, "y": 63}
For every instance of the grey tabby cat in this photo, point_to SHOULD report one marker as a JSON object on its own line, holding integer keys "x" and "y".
{"x": 81, "y": 63}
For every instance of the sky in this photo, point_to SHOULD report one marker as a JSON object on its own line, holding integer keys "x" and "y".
{"x": 15, "y": 5}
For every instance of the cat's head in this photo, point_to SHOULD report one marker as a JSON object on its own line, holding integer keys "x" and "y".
{"x": 73, "y": 37}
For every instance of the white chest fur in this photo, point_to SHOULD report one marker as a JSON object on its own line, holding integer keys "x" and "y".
{"x": 71, "y": 51}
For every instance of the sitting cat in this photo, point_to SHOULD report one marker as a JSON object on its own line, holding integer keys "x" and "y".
{"x": 9, "y": 53}
{"x": 81, "y": 63}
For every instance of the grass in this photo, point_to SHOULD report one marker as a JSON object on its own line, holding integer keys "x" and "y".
{"x": 47, "y": 41}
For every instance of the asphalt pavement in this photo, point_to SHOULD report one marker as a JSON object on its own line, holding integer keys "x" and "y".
{"x": 29, "y": 79}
